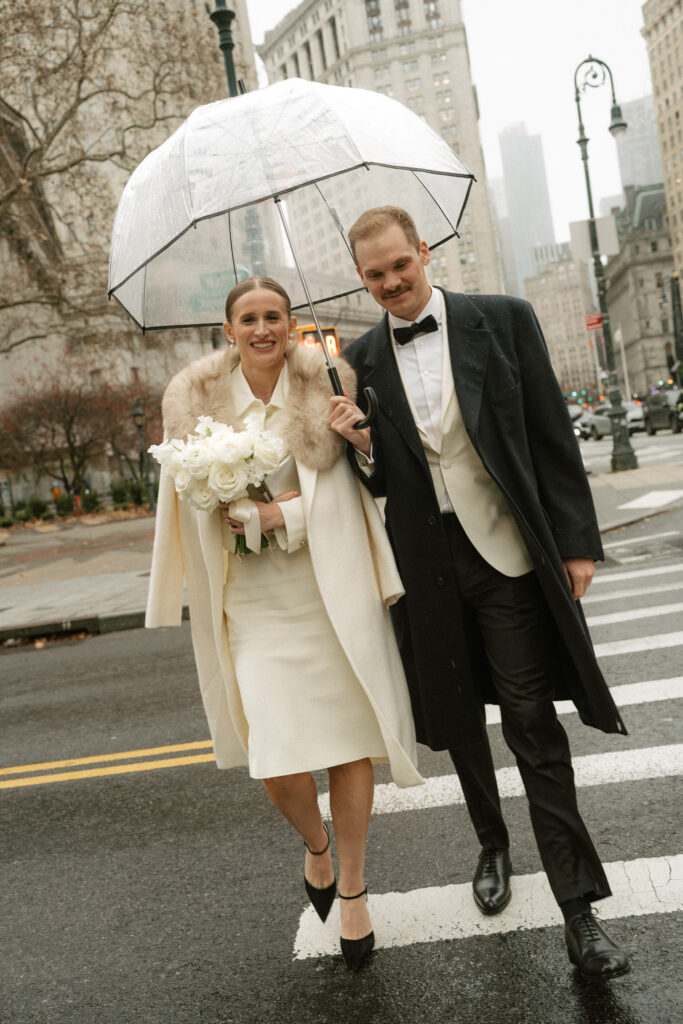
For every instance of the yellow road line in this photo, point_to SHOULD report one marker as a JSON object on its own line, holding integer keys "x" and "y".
{"x": 118, "y": 769}
{"x": 21, "y": 769}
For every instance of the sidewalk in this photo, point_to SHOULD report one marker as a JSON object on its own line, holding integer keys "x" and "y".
{"x": 91, "y": 576}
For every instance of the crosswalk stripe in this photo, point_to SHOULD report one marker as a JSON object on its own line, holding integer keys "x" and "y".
{"x": 618, "y": 595}
{"x": 616, "y": 576}
{"x": 589, "y": 770}
{"x": 651, "y": 885}
{"x": 641, "y": 540}
{"x": 647, "y": 692}
{"x": 651, "y": 612}
{"x": 653, "y": 499}
{"x": 639, "y": 643}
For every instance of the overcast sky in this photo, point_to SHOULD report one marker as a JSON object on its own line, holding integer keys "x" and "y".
{"x": 524, "y": 71}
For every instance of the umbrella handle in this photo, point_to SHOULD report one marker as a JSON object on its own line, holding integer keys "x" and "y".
{"x": 370, "y": 398}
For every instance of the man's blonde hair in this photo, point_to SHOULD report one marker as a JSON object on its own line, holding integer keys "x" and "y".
{"x": 378, "y": 219}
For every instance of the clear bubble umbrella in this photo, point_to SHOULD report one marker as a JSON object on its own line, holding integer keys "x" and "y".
{"x": 269, "y": 183}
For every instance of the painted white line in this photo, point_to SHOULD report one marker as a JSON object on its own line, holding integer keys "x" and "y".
{"x": 653, "y": 499}
{"x": 650, "y": 691}
{"x": 618, "y": 595}
{"x": 641, "y": 540}
{"x": 652, "y": 612}
{"x": 640, "y": 643}
{"x": 603, "y": 576}
{"x": 651, "y": 885}
{"x": 590, "y": 770}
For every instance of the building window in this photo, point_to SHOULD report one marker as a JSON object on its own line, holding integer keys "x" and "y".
{"x": 297, "y": 66}
{"x": 374, "y": 17}
{"x": 665, "y": 325}
{"x": 309, "y": 60}
{"x": 405, "y": 48}
{"x": 412, "y": 84}
{"x": 432, "y": 14}
{"x": 335, "y": 37}
{"x": 283, "y": 70}
{"x": 321, "y": 44}
{"x": 402, "y": 11}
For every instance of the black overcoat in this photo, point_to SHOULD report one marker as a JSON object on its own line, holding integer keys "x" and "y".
{"x": 516, "y": 418}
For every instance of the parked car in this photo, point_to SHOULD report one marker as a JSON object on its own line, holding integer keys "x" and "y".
{"x": 596, "y": 423}
{"x": 663, "y": 410}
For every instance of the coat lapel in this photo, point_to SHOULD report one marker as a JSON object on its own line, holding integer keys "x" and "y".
{"x": 383, "y": 375}
{"x": 469, "y": 342}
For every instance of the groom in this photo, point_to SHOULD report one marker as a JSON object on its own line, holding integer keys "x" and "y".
{"x": 493, "y": 528}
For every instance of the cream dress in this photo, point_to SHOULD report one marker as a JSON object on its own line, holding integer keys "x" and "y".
{"x": 304, "y": 706}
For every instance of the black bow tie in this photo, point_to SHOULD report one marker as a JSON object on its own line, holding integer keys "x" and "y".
{"x": 405, "y": 334}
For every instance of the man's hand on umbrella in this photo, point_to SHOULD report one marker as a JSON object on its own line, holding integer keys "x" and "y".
{"x": 343, "y": 414}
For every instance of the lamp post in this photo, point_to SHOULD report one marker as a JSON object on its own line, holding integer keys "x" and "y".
{"x": 138, "y": 420}
{"x": 594, "y": 74}
{"x": 222, "y": 19}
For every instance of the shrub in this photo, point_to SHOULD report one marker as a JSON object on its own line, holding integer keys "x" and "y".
{"x": 138, "y": 492}
{"x": 64, "y": 504}
{"x": 49, "y": 514}
{"x": 90, "y": 501}
{"x": 22, "y": 515}
{"x": 119, "y": 491}
{"x": 6, "y": 522}
{"x": 20, "y": 505}
{"x": 121, "y": 506}
{"x": 37, "y": 505}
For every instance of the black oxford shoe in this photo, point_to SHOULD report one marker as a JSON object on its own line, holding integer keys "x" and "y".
{"x": 491, "y": 885}
{"x": 591, "y": 949}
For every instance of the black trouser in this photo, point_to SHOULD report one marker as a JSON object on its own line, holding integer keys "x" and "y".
{"x": 513, "y": 621}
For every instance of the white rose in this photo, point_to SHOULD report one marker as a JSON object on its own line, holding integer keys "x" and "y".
{"x": 196, "y": 459}
{"x": 268, "y": 451}
{"x": 182, "y": 481}
{"x": 225, "y": 449}
{"x": 202, "y": 497}
{"x": 228, "y": 481}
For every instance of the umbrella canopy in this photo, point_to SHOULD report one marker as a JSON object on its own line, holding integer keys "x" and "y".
{"x": 206, "y": 208}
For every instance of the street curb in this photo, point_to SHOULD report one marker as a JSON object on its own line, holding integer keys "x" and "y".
{"x": 674, "y": 506}
{"x": 119, "y": 621}
{"x": 96, "y": 624}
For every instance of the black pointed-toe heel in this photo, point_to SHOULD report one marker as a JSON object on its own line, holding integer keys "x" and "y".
{"x": 356, "y": 951}
{"x": 322, "y": 899}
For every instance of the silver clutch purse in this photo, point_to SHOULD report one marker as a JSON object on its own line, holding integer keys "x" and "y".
{"x": 284, "y": 478}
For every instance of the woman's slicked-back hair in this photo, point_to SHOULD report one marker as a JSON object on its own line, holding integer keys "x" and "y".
{"x": 250, "y": 284}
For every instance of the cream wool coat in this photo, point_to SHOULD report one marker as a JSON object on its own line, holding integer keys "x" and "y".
{"x": 352, "y": 560}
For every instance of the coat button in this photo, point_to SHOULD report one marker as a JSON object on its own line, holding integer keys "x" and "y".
{"x": 441, "y": 581}
{"x": 431, "y": 521}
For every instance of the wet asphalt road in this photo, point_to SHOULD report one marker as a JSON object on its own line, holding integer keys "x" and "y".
{"x": 174, "y": 896}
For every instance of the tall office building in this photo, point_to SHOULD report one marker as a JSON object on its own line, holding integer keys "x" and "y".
{"x": 414, "y": 51}
{"x": 528, "y": 202}
{"x": 638, "y": 148}
{"x": 663, "y": 32}
{"x": 561, "y": 296}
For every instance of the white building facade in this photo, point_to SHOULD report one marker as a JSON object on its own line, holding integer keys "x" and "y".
{"x": 416, "y": 52}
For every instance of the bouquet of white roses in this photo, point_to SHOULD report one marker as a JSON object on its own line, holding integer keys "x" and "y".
{"x": 217, "y": 463}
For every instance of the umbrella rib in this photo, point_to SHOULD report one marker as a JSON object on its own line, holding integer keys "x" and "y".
{"x": 416, "y": 174}
{"x": 335, "y": 218}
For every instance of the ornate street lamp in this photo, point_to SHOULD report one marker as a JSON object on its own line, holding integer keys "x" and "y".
{"x": 138, "y": 420}
{"x": 222, "y": 19}
{"x": 594, "y": 74}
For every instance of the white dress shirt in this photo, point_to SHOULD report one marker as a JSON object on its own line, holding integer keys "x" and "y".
{"x": 421, "y": 364}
